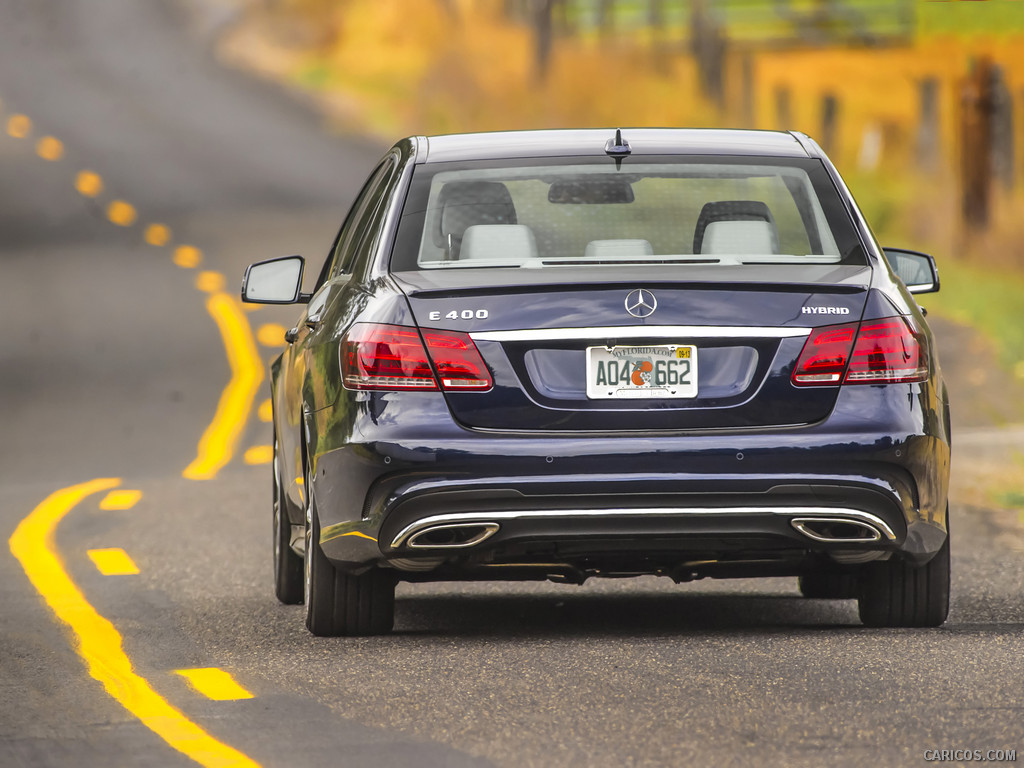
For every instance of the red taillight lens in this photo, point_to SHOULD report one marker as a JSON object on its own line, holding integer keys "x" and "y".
{"x": 825, "y": 355}
{"x": 457, "y": 360}
{"x": 393, "y": 357}
{"x": 877, "y": 352}
{"x": 888, "y": 351}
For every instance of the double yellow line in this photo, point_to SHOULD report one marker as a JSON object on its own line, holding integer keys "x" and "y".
{"x": 217, "y": 445}
{"x": 218, "y": 442}
{"x": 98, "y": 641}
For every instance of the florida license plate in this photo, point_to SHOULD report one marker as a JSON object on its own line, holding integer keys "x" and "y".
{"x": 663, "y": 371}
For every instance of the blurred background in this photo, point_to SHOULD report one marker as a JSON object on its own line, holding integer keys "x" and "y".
{"x": 920, "y": 105}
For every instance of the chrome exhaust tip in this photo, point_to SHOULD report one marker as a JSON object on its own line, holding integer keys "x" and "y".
{"x": 837, "y": 530}
{"x": 451, "y": 535}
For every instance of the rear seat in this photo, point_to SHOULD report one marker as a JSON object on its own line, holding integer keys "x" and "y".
{"x": 507, "y": 242}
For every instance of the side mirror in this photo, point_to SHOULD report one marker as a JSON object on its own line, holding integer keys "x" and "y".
{"x": 275, "y": 281}
{"x": 917, "y": 270}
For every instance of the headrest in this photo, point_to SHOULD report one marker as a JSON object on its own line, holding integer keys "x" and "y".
{"x": 617, "y": 249}
{"x": 465, "y": 203}
{"x": 763, "y": 238}
{"x": 508, "y": 242}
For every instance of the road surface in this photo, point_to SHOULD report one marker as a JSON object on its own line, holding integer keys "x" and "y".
{"x": 138, "y": 625}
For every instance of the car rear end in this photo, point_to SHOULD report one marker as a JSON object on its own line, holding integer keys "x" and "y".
{"x": 687, "y": 363}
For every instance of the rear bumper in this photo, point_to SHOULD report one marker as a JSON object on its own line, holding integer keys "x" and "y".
{"x": 644, "y": 501}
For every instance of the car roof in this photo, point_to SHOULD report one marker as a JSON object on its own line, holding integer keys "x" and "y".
{"x": 592, "y": 141}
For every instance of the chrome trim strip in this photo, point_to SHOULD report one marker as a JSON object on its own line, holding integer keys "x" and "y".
{"x": 484, "y": 518}
{"x": 644, "y": 331}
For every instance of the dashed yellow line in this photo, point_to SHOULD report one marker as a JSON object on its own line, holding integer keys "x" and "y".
{"x": 88, "y": 183}
{"x": 19, "y": 126}
{"x": 113, "y": 562}
{"x": 217, "y": 444}
{"x": 50, "y": 148}
{"x": 98, "y": 641}
{"x": 266, "y": 411}
{"x": 215, "y": 684}
{"x": 157, "y": 234}
{"x": 208, "y": 281}
{"x": 121, "y": 213}
{"x": 187, "y": 256}
{"x": 271, "y": 335}
{"x": 120, "y": 499}
{"x": 259, "y": 454}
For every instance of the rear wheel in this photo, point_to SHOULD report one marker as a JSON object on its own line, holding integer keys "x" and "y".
{"x": 829, "y": 586}
{"x": 896, "y": 594}
{"x": 339, "y": 603}
{"x": 287, "y": 565}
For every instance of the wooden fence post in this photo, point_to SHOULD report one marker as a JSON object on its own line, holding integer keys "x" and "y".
{"x": 1002, "y": 130}
{"x": 976, "y": 145}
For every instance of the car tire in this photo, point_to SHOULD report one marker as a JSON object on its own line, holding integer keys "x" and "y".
{"x": 829, "y": 586}
{"x": 894, "y": 593}
{"x": 288, "y": 577}
{"x": 339, "y": 603}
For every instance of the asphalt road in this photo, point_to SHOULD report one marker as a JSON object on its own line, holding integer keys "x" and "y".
{"x": 114, "y": 364}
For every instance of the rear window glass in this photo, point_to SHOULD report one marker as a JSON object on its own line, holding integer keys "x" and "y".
{"x": 579, "y": 212}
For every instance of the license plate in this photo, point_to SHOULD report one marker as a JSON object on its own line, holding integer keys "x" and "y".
{"x": 664, "y": 371}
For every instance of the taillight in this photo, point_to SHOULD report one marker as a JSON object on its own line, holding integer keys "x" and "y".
{"x": 393, "y": 357}
{"x": 457, "y": 360}
{"x": 825, "y": 355}
{"x": 888, "y": 351}
{"x": 875, "y": 352}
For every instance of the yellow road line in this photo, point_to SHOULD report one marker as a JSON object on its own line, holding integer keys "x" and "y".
{"x": 271, "y": 335}
{"x": 259, "y": 454}
{"x": 218, "y": 442}
{"x": 120, "y": 499}
{"x": 266, "y": 411}
{"x": 98, "y": 642}
{"x": 122, "y": 213}
{"x": 88, "y": 184}
{"x": 113, "y": 562}
{"x": 215, "y": 684}
{"x": 50, "y": 148}
{"x": 157, "y": 234}
{"x": 19, "y": 126}
{"x": 187, "y": 256}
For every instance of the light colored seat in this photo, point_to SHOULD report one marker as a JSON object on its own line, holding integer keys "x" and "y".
{"x": 739, "y": 237}
{"x": 617, "y": 249}
{"x": 498, "y": 242}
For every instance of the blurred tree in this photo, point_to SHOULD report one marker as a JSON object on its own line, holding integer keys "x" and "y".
{"x": 927, "y": 151}
{"x": 829, "y": 123}
{"x": 606, "y": 17}
{"x": 543, "y": 34}
{"x": 708, "y": 44}
{"x": 783, "y": 108}
{"x": 656, "y": 22}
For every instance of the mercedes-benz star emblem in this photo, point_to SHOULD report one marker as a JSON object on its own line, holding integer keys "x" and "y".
{"x": 641, "y": 303}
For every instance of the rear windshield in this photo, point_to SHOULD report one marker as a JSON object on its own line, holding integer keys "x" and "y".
{"x": 583, "y": 212}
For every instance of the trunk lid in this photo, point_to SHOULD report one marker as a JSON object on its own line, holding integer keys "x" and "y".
{"x": 745, "y": 330}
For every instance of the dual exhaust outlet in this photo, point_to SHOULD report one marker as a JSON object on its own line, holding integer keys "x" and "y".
{"x": 827, "y": 526}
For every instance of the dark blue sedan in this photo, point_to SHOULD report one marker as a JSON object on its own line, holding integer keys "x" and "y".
{"x": 565, "y": 354}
